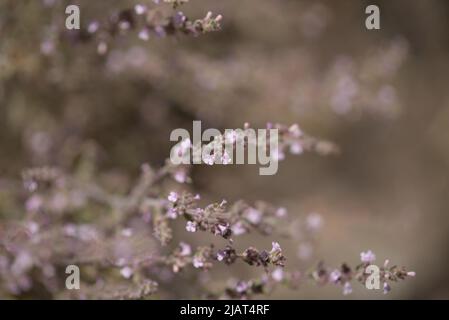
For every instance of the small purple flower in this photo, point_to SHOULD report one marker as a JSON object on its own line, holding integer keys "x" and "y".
{"x": 334, "y": 276}
{"x": 140, "y": 9}
{"x": 238, "y": 229}
{"x": 144, "y": 34}
{"x": 126, "y": 272}
{"x": 295, "y": 131}
{"x": 386, "y": 288}
{"x": 198, "y": 262}
{"x": 368, "y": 256}
{"x": 93, "y": 27}
{"x": 179, "y": 19}
{"x": 347, "y": 288}
{"x": 173, "y": 197}
{"x": 171, "y": 213}
{"x": 281, "y": 212}
{"x": 180, "y": 176}
{"x": 191, "y": 226}
{"x": 221, "y": 255}
{"x": 278, "y": 274}
{"x": 275, "y": 247}
{"x": 241, "y": 286}
{"x": 222, "y": 229}
{"x": 296, "y": 148}
{"x": 254, "y": 216}
{"x": 186, "y": 250}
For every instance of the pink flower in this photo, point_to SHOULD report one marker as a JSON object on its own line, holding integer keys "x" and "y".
{"x": 254, "y": 216}
{"x": 281, "y": 212}
{"x": 93, "y": 27}
{"x": 241, "y": 286}
{"x": 126, "y": 272}
{"x": 347, "y": 288}
{"x": 367, "y": 256}
{"x": 222, "y": 229}
{"x": 144, "y": 34}
{"x": 198, "y": 262}
{"x": 220, "y": 255}
{"x": 238, "y": 229}
{"x": 334, "y": 276}
{"x": 180, "y": 176}
{"x": 140, "y": 9}
{"x": 278, "y": 274}
{"x": 296, "y": 148}
{"x": 387, "y": 288}
{"x": 275, "y": 247}
{"x": 173, "y": 197}
{"x": 186, "y": 250}
{"x": 191, "y": 226}
{"x": 171, "y": 213}
{"x": 295, "y": 131}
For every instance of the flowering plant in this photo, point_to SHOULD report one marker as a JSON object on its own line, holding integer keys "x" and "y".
{"x": 129, "y": 239}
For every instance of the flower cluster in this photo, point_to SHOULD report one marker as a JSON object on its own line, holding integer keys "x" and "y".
{"x": 345, "y": 274}
{"x": 146, "y": 22}
{"x": 253, "y": 257}
{"x": 55, "y": 197}
{"x": 290, "y": 139}
{"x": 159, "y": 214}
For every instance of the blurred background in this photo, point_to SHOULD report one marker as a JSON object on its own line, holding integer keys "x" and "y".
{"x": 381, "y": 95}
